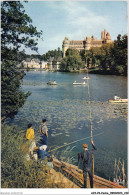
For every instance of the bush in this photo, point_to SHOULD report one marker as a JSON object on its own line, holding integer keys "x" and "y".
{"x": 16, "y": 172}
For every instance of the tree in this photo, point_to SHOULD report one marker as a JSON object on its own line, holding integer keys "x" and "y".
{"x": 72, "y": 61}
{"x": 110, "y": 56}
{"x": 17, "y": 30}
{"x": 119, "y": 55}
{"x": 52, "y": 53}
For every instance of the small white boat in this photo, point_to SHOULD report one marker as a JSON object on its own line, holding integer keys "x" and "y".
{"x": 119, "y": 100}
{"x": 85, "y": 78}
{"x": 51, "y": 83}
{"x": 75, "y": 83}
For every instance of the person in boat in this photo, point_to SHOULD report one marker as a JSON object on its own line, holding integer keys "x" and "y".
{"x": 43, "y": 132}
{"x": 31, "y": 144}
{"x": 86, "y": 158}
{"x": 116, "y": 98}
{"x": 49, "y": 82}
{"x": 54, "y": 82}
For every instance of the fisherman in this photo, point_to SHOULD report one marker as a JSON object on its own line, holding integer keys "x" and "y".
{"x": 44, "y": 132}
{"x": 42, "y": 153}
{"x": 31, "y": 143}
{"x": 86, "y": 158}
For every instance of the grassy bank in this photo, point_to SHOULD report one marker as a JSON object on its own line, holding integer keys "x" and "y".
{"x": 16, "y": 172}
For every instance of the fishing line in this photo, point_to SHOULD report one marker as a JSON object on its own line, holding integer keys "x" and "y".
{"x": 74, "y": 142}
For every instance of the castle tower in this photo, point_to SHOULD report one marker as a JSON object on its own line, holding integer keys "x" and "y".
{"x": 108, "y": 38}
{"x": 103, "y": 35}
{"x": 88, "y": 43}
{"x": 65, "y": 46}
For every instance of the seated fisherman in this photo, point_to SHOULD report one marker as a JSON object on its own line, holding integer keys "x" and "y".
{"x": 42, "y": 153}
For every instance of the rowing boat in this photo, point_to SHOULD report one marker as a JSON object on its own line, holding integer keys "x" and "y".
{"x": 84, "y": 83}
{"x": 119, "y": 101}
{"x": 50, "y": 83}
{"x": 85, "y": 78}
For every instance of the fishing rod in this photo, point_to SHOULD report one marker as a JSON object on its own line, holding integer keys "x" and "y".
{"x": 74, "y": 142}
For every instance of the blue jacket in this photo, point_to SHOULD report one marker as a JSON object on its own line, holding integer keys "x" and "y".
{"x": 86, "y": 158}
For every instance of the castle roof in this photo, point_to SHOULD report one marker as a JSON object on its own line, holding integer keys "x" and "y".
{"x": 36, "y": 60}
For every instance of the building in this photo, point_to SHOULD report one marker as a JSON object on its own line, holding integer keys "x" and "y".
{"x": 87, "y": 43}
{"x": 54, "y": 63}
{"x": 31, "y": 63}
{"x": 44, "y": 65}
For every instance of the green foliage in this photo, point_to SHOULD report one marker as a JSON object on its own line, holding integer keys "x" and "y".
{"x": 17, "y": 30}
{"x": 120, "y": 55}
{"x": 16, "y": 26}
{"x": 72, "y": 61}
{"x": 111, "y": 56}
{"x": 16, "y": 172}
{"x": 99, "y": 56}
{"x": 53, "y": 53}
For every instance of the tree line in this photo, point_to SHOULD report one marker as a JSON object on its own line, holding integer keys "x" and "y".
{"x": 51, "y": 53}
{"x": 111, "y": 57}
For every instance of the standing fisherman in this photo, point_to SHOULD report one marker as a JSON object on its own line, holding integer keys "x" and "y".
{"x": 86, "y": 158}
{"x": 44, "y": 132}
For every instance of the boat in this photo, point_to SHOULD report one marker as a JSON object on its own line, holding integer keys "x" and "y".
{"x": 75, "y": 83}
{"x": 85, "y": 78}
{"x": 118, "y": 100}
{"x": 51, "y": 83}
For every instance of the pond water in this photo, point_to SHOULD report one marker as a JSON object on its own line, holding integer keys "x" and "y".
{"x": 66, "y": 109}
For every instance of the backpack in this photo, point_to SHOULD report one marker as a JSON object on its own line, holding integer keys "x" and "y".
{"x": 40, "y": 129}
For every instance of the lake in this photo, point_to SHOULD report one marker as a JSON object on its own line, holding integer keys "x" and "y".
{"x": 66, "y": 109}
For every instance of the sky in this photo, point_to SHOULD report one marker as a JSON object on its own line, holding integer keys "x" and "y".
{"x": 75, "y": 20}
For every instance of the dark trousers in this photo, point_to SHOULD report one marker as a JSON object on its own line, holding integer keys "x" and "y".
{"x": 90, "y": 173}
{"x": 44, "y": 139}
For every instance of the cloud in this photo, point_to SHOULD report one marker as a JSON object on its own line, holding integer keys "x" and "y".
{"x": 80, "y": 19}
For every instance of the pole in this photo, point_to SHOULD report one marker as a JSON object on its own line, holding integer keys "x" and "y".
{"x": 90, "y": 118}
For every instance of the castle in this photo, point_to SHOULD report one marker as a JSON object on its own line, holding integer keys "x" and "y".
{"x": 87, "y": 43}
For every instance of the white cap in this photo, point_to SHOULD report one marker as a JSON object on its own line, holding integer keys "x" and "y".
{"x": 43, "y": 147}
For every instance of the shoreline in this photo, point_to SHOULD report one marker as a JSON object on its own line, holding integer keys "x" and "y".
{"x": 91, "y": 71}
